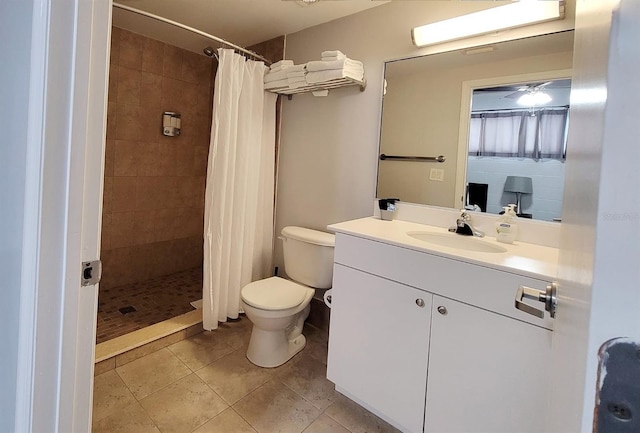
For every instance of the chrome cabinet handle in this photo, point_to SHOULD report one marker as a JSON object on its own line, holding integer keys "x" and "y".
{"x": 442, "y": 310}
{"x": 548, "y": 297}
{"x": 420, "y": 302}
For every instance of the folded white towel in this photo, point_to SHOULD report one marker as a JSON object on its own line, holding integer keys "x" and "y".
{"x": 275, "y": 76}
{"x": 336, "y": 64}
{"x": 279, "y": 84}
{"x": 279, "y": 68}
{"x": 331, "y": 59}
{"x": 335, "y": 53}
{"x": 281, "y": 63}
{"x": 297, "y": 80}
{"x": 298, "y": 84}
{"x": 333, "y": 74}
{"x": 296, "y": 74}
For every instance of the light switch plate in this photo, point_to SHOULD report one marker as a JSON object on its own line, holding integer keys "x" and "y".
{"x": 436, "y": 174}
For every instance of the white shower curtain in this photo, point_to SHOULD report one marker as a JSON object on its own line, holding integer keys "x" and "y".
{"x": 238, "y": 214}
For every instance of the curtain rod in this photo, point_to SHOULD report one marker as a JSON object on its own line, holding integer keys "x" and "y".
{"x": 508, "y": 110}
{"x": 191, "y": 29}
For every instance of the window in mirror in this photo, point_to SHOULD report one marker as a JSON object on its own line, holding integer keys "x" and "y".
{"x": 517, "y": 150}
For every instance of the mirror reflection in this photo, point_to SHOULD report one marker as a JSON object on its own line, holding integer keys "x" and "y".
{"x": 486, "y": 111}
{"x": 517, "y": 148}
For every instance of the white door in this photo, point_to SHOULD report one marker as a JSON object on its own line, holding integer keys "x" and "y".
{"x": 600, "y": 245}
{"x": 485, "y": 372}
{"x": 379, "y": 345}
{"x": 66, "y": 94}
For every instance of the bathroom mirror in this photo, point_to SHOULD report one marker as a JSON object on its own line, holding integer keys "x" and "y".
{"x": 427, "y": 112}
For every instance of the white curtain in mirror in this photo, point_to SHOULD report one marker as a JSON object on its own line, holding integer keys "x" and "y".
{"x": 238, "y": 220}
{"x": 533, "y": 134}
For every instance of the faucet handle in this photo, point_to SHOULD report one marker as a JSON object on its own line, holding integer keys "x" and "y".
{"x": 464, "y": 215}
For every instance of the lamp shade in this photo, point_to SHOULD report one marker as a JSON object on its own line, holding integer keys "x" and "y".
{"x": 519, "y": 184}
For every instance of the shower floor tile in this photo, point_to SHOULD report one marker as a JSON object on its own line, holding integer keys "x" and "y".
{"x": 153, "y": 301}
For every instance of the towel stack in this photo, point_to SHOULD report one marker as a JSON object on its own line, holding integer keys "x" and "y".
{"x": 284, "y": 74}
{"x": 282, "y": 64}
{"x": 334, "y": 65}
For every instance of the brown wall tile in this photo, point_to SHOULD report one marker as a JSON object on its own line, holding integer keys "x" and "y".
{"x": 128, "y": 122}
{"x": 126, "y": 158}
{"x": 128, "y": 90}
{"x": 113, "y": 83}
{"x": 153, "y": 56}
{"x": 109, "y": 157}
{"x": 157, "y": 159}
{"x": 151, "y": 125}
{"x": 114, "y": 55}
{"x": 172, "y": 62}
{"x": 196, "y": 68}
{"x": 124, "y": 194}
{"x": 154, "y": 185}
{"x": 111, "y": 119}
{"x": 122, "y": 229}
{"x": 107, "y": 195}
{"x": 105, "y": 238}
{"x": 151, "y": 90}
{"x": 131, "y": 45}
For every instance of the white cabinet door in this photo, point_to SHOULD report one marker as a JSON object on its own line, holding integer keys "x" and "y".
{"x": 379, "y": 344}
{"x": 487, "y": 372}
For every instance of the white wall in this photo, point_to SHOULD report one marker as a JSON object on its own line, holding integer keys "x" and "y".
{"x": 328, "y": 153}
{"x": 546, "y": 175}
{"x": 15, "y": 32}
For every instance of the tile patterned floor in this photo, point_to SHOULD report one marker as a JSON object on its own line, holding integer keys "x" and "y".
{"x": 155, "y": 300}
{"x": 205, "y": 384}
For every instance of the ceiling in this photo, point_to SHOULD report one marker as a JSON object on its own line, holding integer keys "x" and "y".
{"x": 242, "y": 22}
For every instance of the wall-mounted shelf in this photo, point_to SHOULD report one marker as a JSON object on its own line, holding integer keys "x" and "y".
{"x": 326, "y": 85}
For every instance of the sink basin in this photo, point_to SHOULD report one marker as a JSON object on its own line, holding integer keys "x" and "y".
{"x": 459, "y": 242}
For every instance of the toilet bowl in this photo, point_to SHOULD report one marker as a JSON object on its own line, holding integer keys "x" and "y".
{"x": 278, "y": 307}
{"x": 277, "y": 319}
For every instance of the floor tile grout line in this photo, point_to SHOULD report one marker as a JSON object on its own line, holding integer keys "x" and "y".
{"x": 159, "y": 389}
{"x": 209, "y": 419}
{"x": 243, "y": 418}
{"x": 325, "y": 413}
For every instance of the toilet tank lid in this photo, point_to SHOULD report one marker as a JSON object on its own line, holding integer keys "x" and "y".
{"x": 308, "y": 235}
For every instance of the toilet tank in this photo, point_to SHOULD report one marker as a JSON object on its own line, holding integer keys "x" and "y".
{"x": 308, "y": 256}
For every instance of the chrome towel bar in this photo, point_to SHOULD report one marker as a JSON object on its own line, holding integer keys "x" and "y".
{"x": 439, "y": 158}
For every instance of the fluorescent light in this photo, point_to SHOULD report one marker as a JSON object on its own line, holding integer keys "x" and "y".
{"x": 517, "y": 14}
{"x": 531, "y": 99}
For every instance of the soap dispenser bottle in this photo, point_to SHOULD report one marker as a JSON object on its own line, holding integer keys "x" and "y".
{"x": 507, "y": 225}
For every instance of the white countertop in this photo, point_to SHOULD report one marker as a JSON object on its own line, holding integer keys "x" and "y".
{"x": 521, "y": 258}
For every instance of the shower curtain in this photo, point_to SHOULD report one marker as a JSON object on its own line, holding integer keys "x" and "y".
{"x": 238, "y": 215}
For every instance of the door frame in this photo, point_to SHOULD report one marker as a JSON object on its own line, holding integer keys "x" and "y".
{"x": 62, "y": 213}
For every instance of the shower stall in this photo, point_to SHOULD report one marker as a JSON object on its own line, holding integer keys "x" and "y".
{"x": 154, "y": 184}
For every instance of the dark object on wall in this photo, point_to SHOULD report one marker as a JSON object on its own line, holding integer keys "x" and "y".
{"x": 617, "y": 407}
{"x": 477, "y": 195}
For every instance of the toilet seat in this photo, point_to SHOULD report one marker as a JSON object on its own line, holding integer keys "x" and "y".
{"x": 274, "y": 293}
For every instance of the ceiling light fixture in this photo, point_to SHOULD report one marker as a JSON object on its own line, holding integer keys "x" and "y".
{"x": 517, "y": 14}
{"x": 532, "y": 99}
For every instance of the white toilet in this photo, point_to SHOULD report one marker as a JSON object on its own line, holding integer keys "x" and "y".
{"x": 278, "y": 307}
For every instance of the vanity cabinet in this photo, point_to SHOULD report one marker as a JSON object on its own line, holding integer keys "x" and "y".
{"x": 379, "y": 345}
{"x": 487, "y": 372}
{"x": 426, "y": 342}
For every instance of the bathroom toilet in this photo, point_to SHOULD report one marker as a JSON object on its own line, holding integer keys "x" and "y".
{"x": 278, "y": 307}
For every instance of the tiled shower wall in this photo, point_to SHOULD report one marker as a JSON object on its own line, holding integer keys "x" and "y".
{"x": 154, "y": 185}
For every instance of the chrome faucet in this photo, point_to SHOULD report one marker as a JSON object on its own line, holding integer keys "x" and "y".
{"x": 464, "y": 227}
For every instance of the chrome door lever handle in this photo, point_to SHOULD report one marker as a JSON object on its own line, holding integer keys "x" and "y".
{"x": 547, "y": 296}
